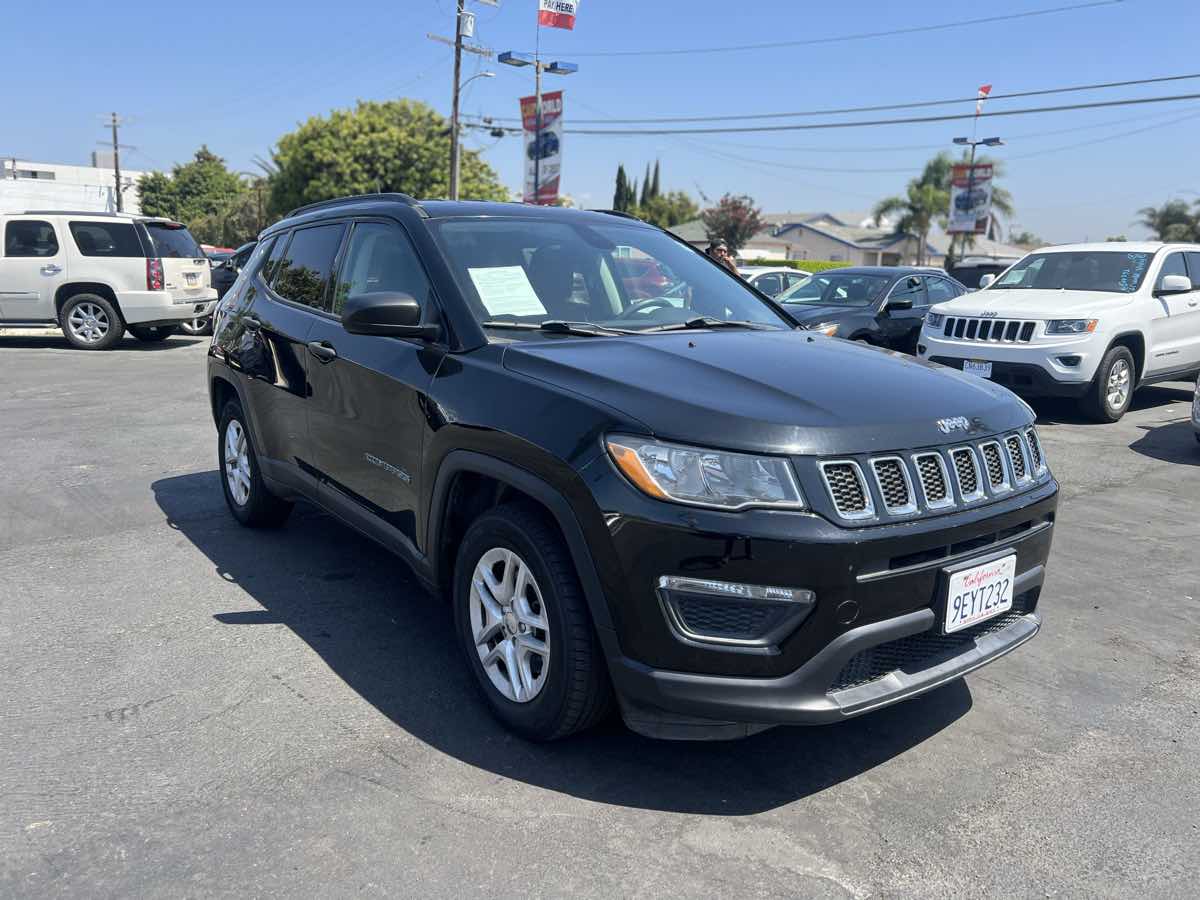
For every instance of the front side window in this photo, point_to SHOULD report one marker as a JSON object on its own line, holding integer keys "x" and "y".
{"x": 1172, "y": 265}
{"x": 524, "y": 272}
{"x": 112, "y": 239}
{"x": 1115, "y": 272}
{"x": 1193, "y": 260}
{"x": 304, "y": 269}
{"x": 171, "y": 241}
{"x": 770, "y": 284}
{"x": 30, "y": 238}
{"x": 837, "y": 289}
{"x": 380, "y": 259}
{"x": 940, "y": 290}
{"x": 909, "y": 288}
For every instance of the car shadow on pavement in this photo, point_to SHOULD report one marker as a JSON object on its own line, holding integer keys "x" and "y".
{"x": 1173, "y": 443}
{"x": 364, "y": 613}
{"x": 175, "y": 342}
{"x": 1061, "y": 411}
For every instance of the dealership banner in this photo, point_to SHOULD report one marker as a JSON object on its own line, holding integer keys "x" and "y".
{"x": 970, "y": 199}
{"x": 543, "y": 152}
{"x": 558, "y": 13}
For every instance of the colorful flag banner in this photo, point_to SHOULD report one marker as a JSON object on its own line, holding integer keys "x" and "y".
{"x": 558, "y": 13}
{"x": 984, "y": 90}
{"x": 970, "y": 199}
{"x": 543, "y": 152}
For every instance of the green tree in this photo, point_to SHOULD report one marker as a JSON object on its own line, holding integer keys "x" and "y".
{"x": 1028, "y": 239}
{"x": 1173, "y": 221}
{"x": 393, "y": 145}
{"x": 668, "y": 210}
{"x": 919, "y": 207}
{"x": 735, "y": 219}
{"x": 656, "y": 185}
{"x": 621, "y": 193}
{"x": 646, "y": 195}
{"x": 203, "y": 194}
{"x": 1116, "y": 238}
{"x": 156, "y": 196}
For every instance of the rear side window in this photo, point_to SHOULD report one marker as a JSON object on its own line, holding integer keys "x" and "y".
{"x": 113, "y": 239}
{"x": 939, "y": 290}
{"x": 303, "y": 272}
{"x": 770, "y": 284}
{"x": 173, "y": 241}
{"x": 1194, "y": 268}
{"x": 31, "y": 239}
{"x": 277, "y": 245}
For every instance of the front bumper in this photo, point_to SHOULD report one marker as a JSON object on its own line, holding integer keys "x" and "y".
{"x": 1027, "y": 379}
{"x": 164, "y": 307}
{"x": 1035, "y": 368}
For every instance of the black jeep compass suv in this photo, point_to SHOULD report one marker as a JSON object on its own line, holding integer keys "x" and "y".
{"x": 681, "y": 502}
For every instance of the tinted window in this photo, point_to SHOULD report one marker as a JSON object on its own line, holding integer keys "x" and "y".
{"x": 173, "y": 241}
{"x": 770, "y": 284}
{"x": 304, "y": 269}
{"x": 30, "y": 239}
{"x": 116, "y": 239}
{"x": 909, "y": 288}
{"x": 1194, "y": 268}
{"x": 243, "y": 256}
{"x": 940, "y": 289}
{"x": 1172, "y": 265}
{"x": 380, "y": 258}
{"x": 277, "y": 245}
{"x": 1117, "y": 272}
{"x": 839, "y": 289}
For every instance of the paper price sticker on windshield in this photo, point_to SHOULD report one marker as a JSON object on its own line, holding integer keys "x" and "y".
{"x": 506, "y": 291}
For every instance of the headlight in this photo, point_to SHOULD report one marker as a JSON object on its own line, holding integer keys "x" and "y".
{"x": 713, "y": 478}
{"x": 934, "y": 320}
{"x": 1071, "y": 326}
{"x": 829, "y": 329}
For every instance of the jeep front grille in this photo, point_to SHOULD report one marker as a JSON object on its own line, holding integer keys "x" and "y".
{"x": 934, "y": 484}
{"x": 848, "y": 489}
{"x": 994, "y": 462}
{"x": 966, "y": 470}
{"x": 1003, "y": 331}
{"x": 891, "y": 477}
{"x": 1016, "y": 456}
{"x": 1035, "y": 448}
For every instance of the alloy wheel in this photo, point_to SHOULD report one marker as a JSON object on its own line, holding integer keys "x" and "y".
{"x": 237, "y": 462}
{"x": 509, "y": 625}
{"x": 1118, "y": 385}
{"x": 89, "y": 323}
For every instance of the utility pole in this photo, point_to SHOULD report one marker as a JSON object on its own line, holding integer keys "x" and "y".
{"x": 115, "y": 122}
{"x": 454, "y": 132}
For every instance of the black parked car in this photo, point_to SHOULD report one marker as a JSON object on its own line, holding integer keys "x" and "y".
{"x": 682, "y": 502}
{"x": 226, "y": 266}
{"x": 880, "y": 305}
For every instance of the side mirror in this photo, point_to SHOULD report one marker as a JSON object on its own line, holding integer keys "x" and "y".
{"x": 1174, "y": 284}
{"x": 986, "y": 280}
{"x": 900, "y": 303}
{"x": 387, "y": 314}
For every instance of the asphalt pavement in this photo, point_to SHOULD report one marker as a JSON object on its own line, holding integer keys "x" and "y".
{"x": 191, "y": 708}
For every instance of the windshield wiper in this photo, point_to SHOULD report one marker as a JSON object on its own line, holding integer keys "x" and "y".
{"x": 558, "y": 326}
{"x": 711, "y": 322}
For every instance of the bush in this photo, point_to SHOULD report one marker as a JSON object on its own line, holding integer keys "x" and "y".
{"x": 804, "y": 265}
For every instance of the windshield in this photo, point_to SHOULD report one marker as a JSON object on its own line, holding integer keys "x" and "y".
{"x": 173, "y": 241}
{"x": 1093, "y": 270}
{"x": 523, "y": 272}
{"x": 837, "y": 289}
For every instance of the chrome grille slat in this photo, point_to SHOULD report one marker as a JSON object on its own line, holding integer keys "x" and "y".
{"x": 993, "y": 461}
{"x": 1016, "y": 457}
{"x": 1035, "y": 449}
{"x": 895, "y": 489}
{"x": 966, "y": 470}
{"x": 935, "y": 485}
{"x": 989, "y": 330}
{"x": 848, "y": 489}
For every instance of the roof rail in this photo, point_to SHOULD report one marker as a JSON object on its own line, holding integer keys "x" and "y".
{"x": 617, "y": 212}
{"x": 73, "y": 212}
{"x": 357, "y": 198}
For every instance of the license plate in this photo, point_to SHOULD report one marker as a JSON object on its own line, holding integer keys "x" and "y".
{"x": 980, "y": 593}
{"x": 977, "y": 367}
{"x": 192, "y": 277}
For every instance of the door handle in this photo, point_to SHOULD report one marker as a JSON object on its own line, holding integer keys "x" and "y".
{"x": 250, "y": 323}
{"x": 322, "y": 351}
{"x": 51, "y": 269}
{"x": 1194, "y": 303}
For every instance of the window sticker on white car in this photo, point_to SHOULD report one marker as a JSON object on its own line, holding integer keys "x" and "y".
{"x": 506, "y": 291}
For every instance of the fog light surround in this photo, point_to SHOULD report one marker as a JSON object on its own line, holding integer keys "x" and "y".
{"x": 740, "y": 617}
{"x": 1070, "y": 361}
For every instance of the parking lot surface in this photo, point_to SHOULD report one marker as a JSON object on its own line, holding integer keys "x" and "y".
{"x": 189, "y": 707}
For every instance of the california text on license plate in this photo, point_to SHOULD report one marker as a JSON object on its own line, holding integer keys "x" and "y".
{"x": 977, "y": 367}
{"x": 979, "y": 593}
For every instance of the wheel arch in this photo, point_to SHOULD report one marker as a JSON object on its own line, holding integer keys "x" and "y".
{"x": 469, "y": 483}
{"x": 1135, "y": 342}
{"x": 73, "y": 288}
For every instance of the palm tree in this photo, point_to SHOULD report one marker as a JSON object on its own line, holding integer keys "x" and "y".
{"x": 1173, "y": 221}
{"x": 921, "y": 205}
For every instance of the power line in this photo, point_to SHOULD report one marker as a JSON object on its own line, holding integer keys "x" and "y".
{"x": 867, "y": 35}
{"x": 880, "y": 108}
{"x": 864, "y": 123}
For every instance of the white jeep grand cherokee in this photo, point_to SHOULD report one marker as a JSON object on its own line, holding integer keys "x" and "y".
{"x": 96, "y": 274}
{"x": 1089, "y": 321}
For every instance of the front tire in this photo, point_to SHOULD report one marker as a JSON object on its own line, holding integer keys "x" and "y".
{"x": 246, "y": 494}
{"x": 524, "y": 626}
{"x": 90, "y": 322}
{"x": 152, "y": 334}
{"x": 196, "y": 327}
{"x": 1111, "y": 392}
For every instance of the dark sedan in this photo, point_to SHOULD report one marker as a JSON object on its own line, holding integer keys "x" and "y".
{"x": 880, "y": 305}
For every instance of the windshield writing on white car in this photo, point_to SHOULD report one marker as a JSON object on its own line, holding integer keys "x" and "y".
{"x": 1099, "y": 270}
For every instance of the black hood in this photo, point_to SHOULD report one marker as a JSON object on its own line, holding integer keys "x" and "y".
{"x": 815, "y": 314}
{"x": 778, "y": 392}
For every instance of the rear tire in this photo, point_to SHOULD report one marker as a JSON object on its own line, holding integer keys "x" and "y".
{"x": 196, "y": 327}
{"x": 514, "y": 580}
{"x": 90, "y": 322}
{"x": 152, "y": 334}
{"x": 246, "y": 495}
{"x": 1111, "y": 392}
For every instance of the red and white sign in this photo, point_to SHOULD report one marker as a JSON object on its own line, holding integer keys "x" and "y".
{"x": 970, "y": 199}
{"x": 558, "y": 13}
{"x": 543, "y": 152}
{"x": 984, "y": 90}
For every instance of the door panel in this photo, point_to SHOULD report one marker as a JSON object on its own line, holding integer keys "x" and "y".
{"x": 902, "y": 327}
{"x": 32, "y": 269}
{"x": 1174, "y": 323}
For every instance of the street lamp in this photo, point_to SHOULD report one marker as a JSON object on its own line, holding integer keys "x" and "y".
{"x": 456, "y": 137}
{"x": 521, "y": 60}
{"x": 973, "y": 143}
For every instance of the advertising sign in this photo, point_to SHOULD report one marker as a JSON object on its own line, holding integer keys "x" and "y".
{"x": 557, "y": 13}
{"x": 543, "y": 152}
{"x": 970, "y": 199}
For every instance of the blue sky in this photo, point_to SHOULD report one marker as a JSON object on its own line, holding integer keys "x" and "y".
{"x": 237, "y": 76}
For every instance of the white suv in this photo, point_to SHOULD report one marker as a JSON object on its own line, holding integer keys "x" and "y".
{"x": 1089, "y": 321}
{"x": 96, "y": 274}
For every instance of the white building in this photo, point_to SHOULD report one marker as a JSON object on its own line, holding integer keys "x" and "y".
{"x": 36, "y": 185}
